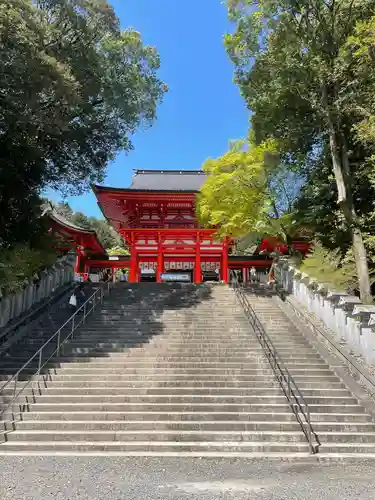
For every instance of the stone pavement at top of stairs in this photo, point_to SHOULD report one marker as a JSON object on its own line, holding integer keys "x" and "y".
{"x": 88, "y": 478}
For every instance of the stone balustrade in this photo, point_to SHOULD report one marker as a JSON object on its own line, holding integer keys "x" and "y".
{"x": 14, "y": 305}
{"x": 351, "y": 321}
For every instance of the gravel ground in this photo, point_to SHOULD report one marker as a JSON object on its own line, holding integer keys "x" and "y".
{"x": 34, "y": 478}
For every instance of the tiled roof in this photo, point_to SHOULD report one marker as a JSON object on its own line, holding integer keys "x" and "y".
{"x": 168, "y": 180}
{"x": 64, "y": 222}
{"x": 86, "y": 237}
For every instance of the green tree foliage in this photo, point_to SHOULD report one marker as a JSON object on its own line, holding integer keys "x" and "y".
{"x": 317, "y": 208}
{"x": 251, "y": 194}
{"x": 18, "y": 264}
{"x": 234, "y": 193}
{"x": 299, "y": 78}
{"x": 359, "y": 58}
{"x": 330, "y": 269}
{"x": 73, "y": 89}
{"x": 118, "y": 250}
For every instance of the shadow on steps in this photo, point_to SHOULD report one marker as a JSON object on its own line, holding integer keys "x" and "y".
{"x": 129, "y": 317}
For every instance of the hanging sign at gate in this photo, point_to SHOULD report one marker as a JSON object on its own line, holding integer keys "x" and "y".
{"x": 175, "y": 276}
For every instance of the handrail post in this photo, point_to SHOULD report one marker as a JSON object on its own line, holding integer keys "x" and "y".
{"x": 72, "y": 330}
{"x": 58, "y": 342}
{"x": 307, "y": 409}
{"x": 39, "y": 362}
{"x": 15, "y": 387}
{"x": 84, "y": 313}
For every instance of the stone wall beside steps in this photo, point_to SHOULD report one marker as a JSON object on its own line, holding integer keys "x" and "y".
{"x": 342, "y": 313}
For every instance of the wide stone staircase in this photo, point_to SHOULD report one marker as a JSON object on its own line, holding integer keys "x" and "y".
{"x": 176, "y": 370}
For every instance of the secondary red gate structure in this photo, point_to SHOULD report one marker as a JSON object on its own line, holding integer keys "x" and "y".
{"x": 69, "y": 237}
{"x": 156, "y": 217}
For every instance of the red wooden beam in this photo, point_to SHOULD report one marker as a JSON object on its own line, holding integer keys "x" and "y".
{"x": 250, "y": 263}
{"x": 108, "y": 263}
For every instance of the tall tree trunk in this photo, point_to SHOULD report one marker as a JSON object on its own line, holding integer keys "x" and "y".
{"x": 359, "y": 250}
{"x": 360, "y": 256}
{"x": 340, "y": 164}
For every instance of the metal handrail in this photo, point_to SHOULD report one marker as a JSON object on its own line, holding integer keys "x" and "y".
{"x": 293, "y": 394}
{"x": 93, "y": 300}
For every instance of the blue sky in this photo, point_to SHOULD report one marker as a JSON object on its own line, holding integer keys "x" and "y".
{"x": 203, "y": 109}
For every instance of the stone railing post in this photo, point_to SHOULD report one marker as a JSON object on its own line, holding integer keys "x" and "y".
{"x": 343, "y": 314}
{"x": 335, "y": 318}
{"x": 366, "y": 320}
{"x": 349, "y": 326}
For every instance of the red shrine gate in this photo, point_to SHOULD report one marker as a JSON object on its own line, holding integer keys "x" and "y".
{"x": 189, "y": 248}
{"x": 156, "y": 217}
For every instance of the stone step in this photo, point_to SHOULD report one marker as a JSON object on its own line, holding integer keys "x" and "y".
{"x": 159, "y": 448}
{"x": 159, "y": 425}
{"x": 183, "y": 377}
{"x": 164, "y": 361}
{"x": 175, "y": 436}
{"x": 130, "y": 373}
{"x": 231, "y": 392}
{"x": 354, "y": 449}
{"x": 190, "y": 384}
{"x": 219, "y": 328}
{"x": 178, "y": 435}
{"x": 196, "y": 416}
{"x": 59, "y": 375}
{"x": 153, "y": 351}
{"x": 193, "y": 398}
{"x": 105, "y": 391}
{"x": 144, "y": 344}
{"x": 183, "y": 358}
{"x": 74, "y": 368}
{"x": 179, "y": 346}
{"x": 161, "y": 374}
{"x": 210, "y": 425}
{"x": 179, "y": 406}
{"x": 250, "y": 343}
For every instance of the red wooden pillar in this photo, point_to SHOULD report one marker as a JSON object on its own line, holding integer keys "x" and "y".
{"x": 159, "y": 260}
{"x": 86, "y": 270}
{"x": 133, "y": 262}
{"x": 197, "y": 268}
{"x": 78, "y": 263}
{"x": 137, "y": 269}
{"x": 80, "y": 256}
{"x": 159, "y": 266}
{"x": 224, "y": 262}
{"x": 244, "y": 275}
